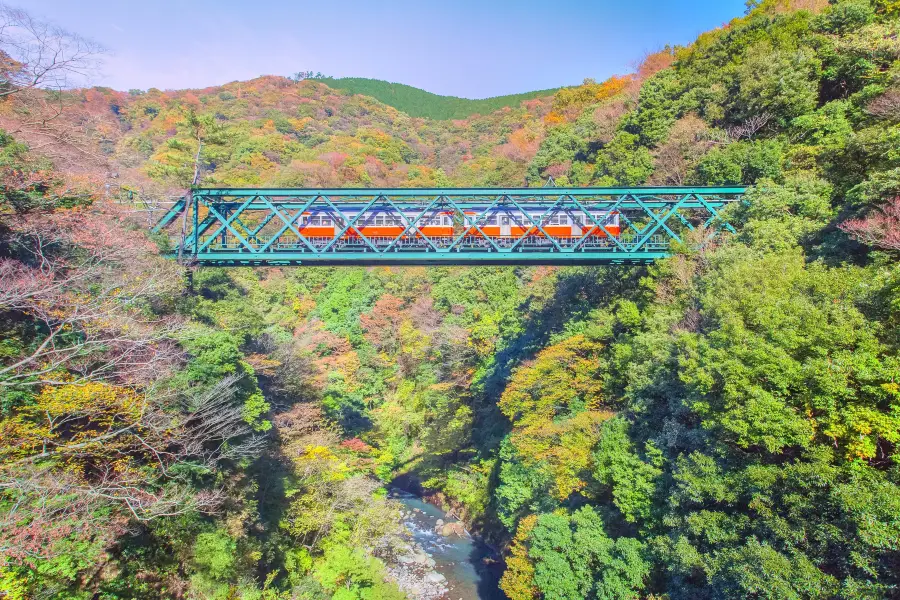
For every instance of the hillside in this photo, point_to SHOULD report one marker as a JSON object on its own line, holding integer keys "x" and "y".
{"x": 721, "y": 425}
{"x": 419, "y": 103}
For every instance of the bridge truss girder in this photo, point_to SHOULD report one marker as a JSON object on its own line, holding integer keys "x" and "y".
{"x": 231, "y": 226}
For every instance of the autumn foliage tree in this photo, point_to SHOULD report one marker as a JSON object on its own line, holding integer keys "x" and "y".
{"x": 880, "y": 229}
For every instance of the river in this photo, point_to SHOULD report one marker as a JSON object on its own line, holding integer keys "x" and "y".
{"x": 466, "y": 562}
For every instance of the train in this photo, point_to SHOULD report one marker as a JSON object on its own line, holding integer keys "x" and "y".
{"x": 493, "y": 222}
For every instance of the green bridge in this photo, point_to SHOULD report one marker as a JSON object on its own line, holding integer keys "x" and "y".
{"x": 551, "y": 225}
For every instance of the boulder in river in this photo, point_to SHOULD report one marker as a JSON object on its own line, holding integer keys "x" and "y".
{"x": 435, "y": 577}
{"x": 453, "y": 529}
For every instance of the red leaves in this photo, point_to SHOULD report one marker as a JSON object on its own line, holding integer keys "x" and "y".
{"x": 335, "y": 159}
{"x": 880, "y": 229}
{"x": 356, "y": 445}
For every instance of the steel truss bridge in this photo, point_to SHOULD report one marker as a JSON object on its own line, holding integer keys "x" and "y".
{"x": 246, "y": 226}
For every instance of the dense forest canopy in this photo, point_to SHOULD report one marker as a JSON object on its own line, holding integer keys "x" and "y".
{"x": 419, "y": 103}
{"x": 723, "y": 424}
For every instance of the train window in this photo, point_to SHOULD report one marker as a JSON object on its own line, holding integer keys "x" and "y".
{"x": 492, "y": 220}
{"x": 379, "y": 219}
{"x": 557, "y": 220}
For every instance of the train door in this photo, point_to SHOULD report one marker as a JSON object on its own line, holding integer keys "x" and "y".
{"x": 505, "y": 226}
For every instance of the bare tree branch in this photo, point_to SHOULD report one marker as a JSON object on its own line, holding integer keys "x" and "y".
{"x": 39, "y": 54}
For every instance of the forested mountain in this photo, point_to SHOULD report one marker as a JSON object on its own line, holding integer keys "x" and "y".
{"x": 724, "y": 424}
{"x": 419, "y": 103}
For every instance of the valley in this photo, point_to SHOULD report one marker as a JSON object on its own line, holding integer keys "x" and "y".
{"x": 723, "y": 423}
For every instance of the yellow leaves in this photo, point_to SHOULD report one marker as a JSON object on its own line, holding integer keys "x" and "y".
{"x": 317, "y": 453}
{"x": 414, "y": 344}
{"x": 97, "y": 400}
{"x": 562, "y": 448}
{"x": 320, "y": 463}
{"x": 889, "y": 7}
{"x": 560, "y": 375}
{"x": 21, "y": 438}
{"x": 524, "y": 138}
{"x": 589, "y": 93}
{"x": 261, "y": 363}
{"x": 860, "y": 428}
{"x": 518, "y": 579}
{"x": 866, "y": 426}
{"x": 554, "y": 403}
{"x": 69, "y": 414}
{"x": 303, "y": 305}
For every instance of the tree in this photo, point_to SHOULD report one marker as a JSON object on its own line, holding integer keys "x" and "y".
{"x": 39, "y": 54}
{"x": 571, "y": 557}
{"x": 301, "y": 75}
{"x": 881, "y": 228}
{"x": 39, "y": 61}
{"x": 85, "y": 318}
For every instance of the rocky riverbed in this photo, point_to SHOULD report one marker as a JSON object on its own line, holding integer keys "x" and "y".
{"x": 442, "y": 560}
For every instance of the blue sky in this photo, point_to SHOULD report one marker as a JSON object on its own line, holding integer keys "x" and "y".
{"x": 467, "y": 48}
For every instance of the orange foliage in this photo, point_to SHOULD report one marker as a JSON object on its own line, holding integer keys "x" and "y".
{"x": 654, "y": 63}
{"x": 382, "y": 324}
{"x": 522, "y": 145}
{"x": 554, "y": 118}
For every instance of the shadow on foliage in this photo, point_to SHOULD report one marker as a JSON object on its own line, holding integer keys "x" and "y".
{"x": 578, "y": 291}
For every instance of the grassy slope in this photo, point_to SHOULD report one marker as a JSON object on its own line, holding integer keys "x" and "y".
{"x": 419, "y": 103}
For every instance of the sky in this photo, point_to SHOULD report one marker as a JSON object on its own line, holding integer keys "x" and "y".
{"x": 467, "y": 48}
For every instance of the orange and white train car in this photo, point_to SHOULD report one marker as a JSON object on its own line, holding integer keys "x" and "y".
{"x": 386, "y": 222}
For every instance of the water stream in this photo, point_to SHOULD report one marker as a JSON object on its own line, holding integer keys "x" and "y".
{"x": 466, "y": 562}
